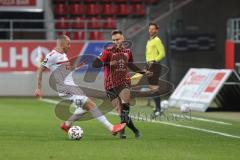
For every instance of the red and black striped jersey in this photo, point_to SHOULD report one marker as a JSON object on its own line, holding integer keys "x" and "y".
{"x": 117, "y": 74}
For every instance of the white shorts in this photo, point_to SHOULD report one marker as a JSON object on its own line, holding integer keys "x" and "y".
{"x": 79, "y": 102}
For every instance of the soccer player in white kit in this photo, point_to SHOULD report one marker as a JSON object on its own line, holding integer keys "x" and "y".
{"x": 57, "y": 58}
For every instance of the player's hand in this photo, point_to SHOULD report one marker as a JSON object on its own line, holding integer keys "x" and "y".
{"x": 38, "y": 93}
{"x": 153, "y": 88}
{"x": 148, "y": 73}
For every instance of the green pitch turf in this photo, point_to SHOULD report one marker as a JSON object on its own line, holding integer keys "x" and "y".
{"x": 29, "y": 130}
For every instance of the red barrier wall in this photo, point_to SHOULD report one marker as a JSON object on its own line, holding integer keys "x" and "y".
{"x": 24, "y": 55}
{"x": 230, "y": 55}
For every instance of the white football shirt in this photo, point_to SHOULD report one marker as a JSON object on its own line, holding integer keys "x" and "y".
{"x": 62, "y": 77}
{"x": 54, "y": 59}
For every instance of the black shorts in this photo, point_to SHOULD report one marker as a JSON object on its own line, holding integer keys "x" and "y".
{"x": 114, "y": 92}
{"x": 155, "y": 68}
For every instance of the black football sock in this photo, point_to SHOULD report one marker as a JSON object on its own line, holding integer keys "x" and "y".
{"x": 157, "y": 101}
{"x": 131, "y": 126}
{"x": 125, "y": 117}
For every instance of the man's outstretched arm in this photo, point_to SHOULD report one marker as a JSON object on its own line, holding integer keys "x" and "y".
{"x": 38, "y": 91}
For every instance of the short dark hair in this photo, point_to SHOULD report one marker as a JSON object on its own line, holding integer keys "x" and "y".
{"x": 116, "y": 32}
{"x": 154, "y": 24}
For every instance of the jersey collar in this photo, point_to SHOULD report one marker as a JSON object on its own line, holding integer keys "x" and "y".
{"x": 153, "y": 37}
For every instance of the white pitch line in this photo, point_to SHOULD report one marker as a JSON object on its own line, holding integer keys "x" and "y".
{"x": 202, "y": 119}
{"x": 49, "y": 101}
{"x": 166, "y": 123}
{"x": 177, "y": 115}
{"x": 184, "y": 126}
{"x": 200, "y": 129}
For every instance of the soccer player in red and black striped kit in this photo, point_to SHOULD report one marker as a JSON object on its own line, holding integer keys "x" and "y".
{"x": 116, "y": 61}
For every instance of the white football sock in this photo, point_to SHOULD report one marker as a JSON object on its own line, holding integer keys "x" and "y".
{"x": 102, "y": 119}
{"x": 73, "y": 118}
{"x": 78, "y": 113}
{"x": 96, "y": 113}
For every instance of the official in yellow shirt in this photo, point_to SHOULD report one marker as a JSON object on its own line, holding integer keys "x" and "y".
{"x": 155, "y": 52}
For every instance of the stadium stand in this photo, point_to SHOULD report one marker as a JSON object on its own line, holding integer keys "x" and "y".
{"x": 95, "y": 15}
{"x": 80, "y": 19}
{"x": 23, "y": 24}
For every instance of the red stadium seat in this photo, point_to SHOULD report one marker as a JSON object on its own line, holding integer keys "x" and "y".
{"x": 151, "y": 1}
{"x": 61, "y": 23}
{"x": 58, "y": 1}
{"x": 76, "y": 9}
{"x": 96, "y": 35}
{"x": 136, "y": 1}
{"x": 91, "y": 35}
{"x": 107, "y": 1}
{"x": 99, "y": 36}
{"x": 65, "y": 33}
{"x": 123, "y": 10}
{"x": 90, "y": 1}
{"x": 74, "y": 1}
{"x": 79, "y": 35}
{"x": 110, "y": 23}
{"x": 125, "y": 1}
{"x": 78, "y": 23}
{"x": 92, "y": 9}
{"x": 138, "y": 9}
{"x": 94, "y": 23}
{"x": 108, "y": 9}
{"x": 60, "y": 9}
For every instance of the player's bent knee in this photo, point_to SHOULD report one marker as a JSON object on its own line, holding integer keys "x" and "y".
{"x": 126, "y": 100}
{"x": 79, "y": 111}
{"x": 79, "y": 101}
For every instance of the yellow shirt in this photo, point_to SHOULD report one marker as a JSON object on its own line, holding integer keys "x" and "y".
{"x": 155, "y": 50}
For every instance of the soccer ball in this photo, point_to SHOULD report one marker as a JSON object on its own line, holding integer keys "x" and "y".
{"x": 185, "y": 108}
{"x": 75, "y": 133}
{"x": 164, "y": 104}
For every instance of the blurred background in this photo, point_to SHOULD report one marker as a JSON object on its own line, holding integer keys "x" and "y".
{"x": 195, "y": 33}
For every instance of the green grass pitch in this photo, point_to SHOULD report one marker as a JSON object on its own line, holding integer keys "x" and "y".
{"x": 29, "y": 130}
